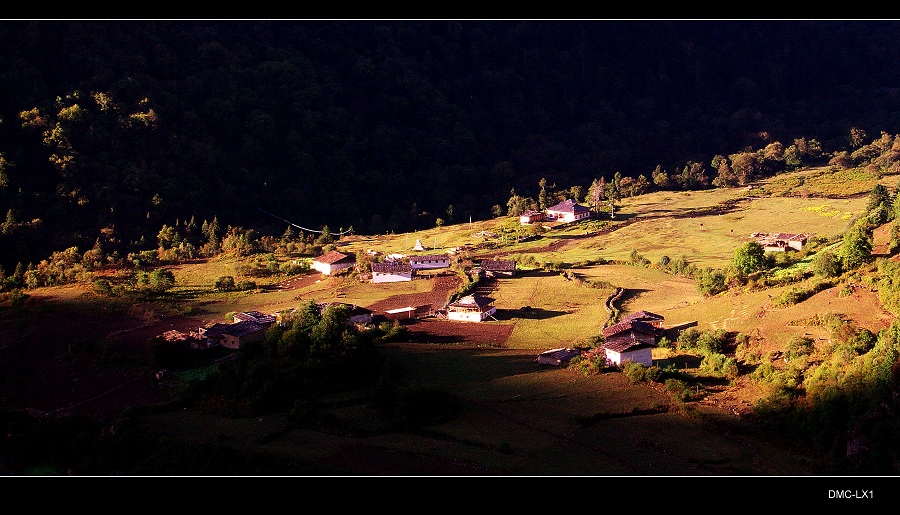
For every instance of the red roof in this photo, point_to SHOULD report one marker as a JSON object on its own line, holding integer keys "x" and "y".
{"x": 568, "y": 206}
{"x": 501, "y": 265}
{"x": 335, "y": 257}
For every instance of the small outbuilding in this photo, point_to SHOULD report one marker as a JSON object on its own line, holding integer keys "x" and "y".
{"x": 557, "y": 357}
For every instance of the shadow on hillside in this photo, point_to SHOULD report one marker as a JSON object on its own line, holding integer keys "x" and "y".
{"x": 528, "y": 312}
{"x": 629, "y": 294}
{"x": 679, "y": 362}
{"x": 448, "y": 365}
{"x": 537, "y": 273}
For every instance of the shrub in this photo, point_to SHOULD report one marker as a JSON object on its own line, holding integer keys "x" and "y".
{"x": 678, "y": 389}
{"x": 711, "y": 341}
{"x": 102, "y": 287}
{"x": 799, "y": 346}
{"x": 711, "y": 281}
{"x": 687, "y": 340}
{"x": 245, "y": 285}
{"x": 225, "y": 283}
{"x": 634, "y": 372}
{"x": 719, "y": 364}
{"x": 158, "y": 280}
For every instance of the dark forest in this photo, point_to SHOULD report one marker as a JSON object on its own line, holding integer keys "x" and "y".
{"x": 111, "y": 129}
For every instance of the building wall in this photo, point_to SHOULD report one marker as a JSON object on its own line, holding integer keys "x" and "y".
{"x": 234, "y": 342}
{"x": 329, "y": 269}
{"x": 442, "y": 263}
{"x": 643, "y": 356}
{"x": 470, "y": 316}
{"x": 389, "y": 277}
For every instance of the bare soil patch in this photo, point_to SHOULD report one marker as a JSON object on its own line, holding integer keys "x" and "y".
{"x": 442, "y": 286}
{"x": 488, "y": 333}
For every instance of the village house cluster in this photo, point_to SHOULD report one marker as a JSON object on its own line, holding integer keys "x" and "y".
{"x": 780, "y": 242}
{"x": 631, "y": 339}
{"x": 565, "y": 212}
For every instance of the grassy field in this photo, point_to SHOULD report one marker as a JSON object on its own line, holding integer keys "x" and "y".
{"x": 516, "y": 417}
{"x": 561, "y": 313}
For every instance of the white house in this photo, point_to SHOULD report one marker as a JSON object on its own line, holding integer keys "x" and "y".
{"x": 392, "y": 272}
{"x": 473, "y": 308}
{"x": 430, "y": 261}
{"x": 568, "y": 211}
{"x": 780, "y": 242}
{"x": 333, "y": 261}
{"x": 633, "y": 338}
{"x": 625, "y": 347}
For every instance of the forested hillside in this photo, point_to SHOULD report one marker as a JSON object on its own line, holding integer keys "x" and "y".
{"x": 111, "y": 129}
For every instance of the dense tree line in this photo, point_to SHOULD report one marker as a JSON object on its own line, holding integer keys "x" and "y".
{"x": 111, "y": 129}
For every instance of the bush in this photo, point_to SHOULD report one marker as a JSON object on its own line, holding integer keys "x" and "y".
{"x": 711, "y": 341}
{"x": 634, "y": 372}
{"x": 799, "y": 346}
{"x": 102, "y": 287}
{"x": 678, "y": 389}
{"x": 665, "y": 343}
{"x": 719, "y": 364}
{"x": 225, "y": 283}
{"x": 245, "y": 285}
{"x": 687, "y": 340}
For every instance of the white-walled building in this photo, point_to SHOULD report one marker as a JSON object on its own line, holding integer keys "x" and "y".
{"x": 430, "y": 261}
{"x": 392, "y": 272}
{"x": 333, "y": 261}
{"x": 473, "y": 308}
{"x": 568, "y": 211}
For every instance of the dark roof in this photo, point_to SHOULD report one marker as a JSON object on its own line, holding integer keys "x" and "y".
{"x": 215, "y": 331}
{"x": 392, "y": 266}
{"x": 243, "y": 328}
{"x": 635, "y": 326}
{"x": 643, "y": 315}
{"x": 563, "y": 355}
{"x": 568, "y": 206}
{"x": 429, "y": 257}
{"x": 473, "y": 300}
{"x": 505, "y": 265}
{"x": 625, "y": 342}
{"x": 255, "y": 316}
{"x": 336, "y": 257}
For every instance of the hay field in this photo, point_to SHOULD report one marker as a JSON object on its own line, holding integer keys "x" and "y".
{"x": 711, "y": 240}
{"x": 562, "y": 313}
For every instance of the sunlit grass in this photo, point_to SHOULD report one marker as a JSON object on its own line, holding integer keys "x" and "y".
{"x": 563, "y": 313}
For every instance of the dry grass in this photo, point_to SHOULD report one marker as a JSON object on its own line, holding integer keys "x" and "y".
{"x": 562, "y": 313}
